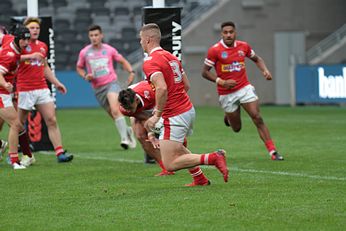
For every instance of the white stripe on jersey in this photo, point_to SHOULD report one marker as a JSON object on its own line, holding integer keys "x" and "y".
{"x": 3, "y": 70}
{"x": 208, "y": 62}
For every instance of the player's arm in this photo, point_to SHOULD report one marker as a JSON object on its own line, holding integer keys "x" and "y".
{"x": 36, "y": 55}
{"x": 8, "y": 86}
{"x": 84, "y": 74}
{"x": 50, "y": 76}
{"x": 262, "y": 66}
{"x": 186, "y": 82}
{"x": 160, "y": 96}
{"x": 127, "y": 67}
{"x": 207, "y": 74}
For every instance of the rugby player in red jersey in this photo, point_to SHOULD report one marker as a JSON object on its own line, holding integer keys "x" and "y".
{"x": 9, "y": 57}
{"x": 138, "y": 101}
{"x": 165, "y": 72}
{"x": 33, "y": 90}
{"x": 228, "y": 59}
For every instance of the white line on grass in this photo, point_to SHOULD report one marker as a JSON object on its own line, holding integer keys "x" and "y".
{"x": 91, "y": 156}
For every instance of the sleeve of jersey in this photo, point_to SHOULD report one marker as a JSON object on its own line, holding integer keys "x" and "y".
{"x": 116, "y": 55}
{"x": 211, "y": 57}
{"x": 250, "y": 53}
{"x": 81, "y": 59}
{"x": 149, "y": 68}
{"x": 4, "y": 63}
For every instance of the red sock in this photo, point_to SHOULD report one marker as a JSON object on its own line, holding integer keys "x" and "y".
{"x": 270, "y": 146}
{"x": 13, "y": 157}
{"x": 59, "y": 150}
{"x": 161, "y": 165}
{"x": 185, "y": 142}
{"x": 24, "y": 143}
{"x": 208, "y": 159}
{"x": 197, "y": 174}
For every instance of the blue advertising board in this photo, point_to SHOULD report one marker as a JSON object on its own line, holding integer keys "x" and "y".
{"x": 320, "y": 84}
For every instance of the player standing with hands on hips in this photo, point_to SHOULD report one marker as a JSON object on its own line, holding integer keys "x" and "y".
{"x": 228, "y": 58}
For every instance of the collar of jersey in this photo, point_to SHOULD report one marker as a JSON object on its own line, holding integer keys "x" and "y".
{"x": 224, "y": 45}
{"x": 155, "y": 49}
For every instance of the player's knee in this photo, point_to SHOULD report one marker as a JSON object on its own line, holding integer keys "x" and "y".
{"x": 51, "y": 121}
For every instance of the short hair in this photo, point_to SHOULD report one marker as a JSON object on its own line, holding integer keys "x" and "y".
{"x": 29, "y": 20}
{"x": 153, "y": 29}
{"x": 94, "y": 27}
{"x": 126, "y": 97}
{"x": 229, "y": 23}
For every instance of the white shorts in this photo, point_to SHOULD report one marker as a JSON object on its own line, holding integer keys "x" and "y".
{"x": 178, "y": 127}
{"x": 6, "y": 100}
{"x": 231, "y": 102}
{"x": 28, "y": 99}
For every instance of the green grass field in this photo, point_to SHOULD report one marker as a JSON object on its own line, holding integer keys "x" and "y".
{"x": 106, "y": 188}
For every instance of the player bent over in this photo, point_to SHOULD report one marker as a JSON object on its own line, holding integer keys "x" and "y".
{"x": 165, "y": 72}
{"x": 138, "y": 102}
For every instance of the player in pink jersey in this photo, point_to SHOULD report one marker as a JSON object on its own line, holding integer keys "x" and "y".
{"x": 33, "y": 90}
{"x": 9, "y": 58}
{"x": 165, "y": 72}
{"x": 138, "y": 101}
{"x": 95, "y": 64}
{"x": 234, "y": 89}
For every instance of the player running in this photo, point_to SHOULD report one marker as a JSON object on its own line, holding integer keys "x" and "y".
{"x": 234, "y": 89}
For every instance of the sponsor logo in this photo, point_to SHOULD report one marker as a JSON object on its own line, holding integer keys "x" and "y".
{"x": 28, "y": 48}
{"x": 235, "y": 66}
{"x": 241, "y": 53}
{"x": 176, "y": 40}
{"x": 331, "y": 86}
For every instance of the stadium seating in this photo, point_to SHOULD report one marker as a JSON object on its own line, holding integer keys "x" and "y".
{"x": 119, "y": 20}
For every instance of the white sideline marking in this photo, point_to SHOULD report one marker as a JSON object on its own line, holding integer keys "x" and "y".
{"x": 93, "y": 157}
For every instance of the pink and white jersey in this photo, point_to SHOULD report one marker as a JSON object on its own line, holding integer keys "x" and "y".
{"x": 229, "y": 63}
{"x": 164, "y": 62}
{"x": 99, "y": 63}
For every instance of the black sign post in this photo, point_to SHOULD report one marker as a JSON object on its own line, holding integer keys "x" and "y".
{"x": 169, "y": 21}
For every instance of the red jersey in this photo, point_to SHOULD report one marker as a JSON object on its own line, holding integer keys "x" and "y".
{"x": 31, "y": 72}
{"x": 229, "y": 63}
{"x": 164, "y": 62}
{"x": 145, "y": 92}
{"x": 9, "y": 58}
{"x": 6, "y": 40}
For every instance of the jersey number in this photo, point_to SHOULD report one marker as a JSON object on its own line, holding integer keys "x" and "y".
{"x": 178, "y": 76}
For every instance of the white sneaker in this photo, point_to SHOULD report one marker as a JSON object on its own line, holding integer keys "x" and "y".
{"x": 27, "y": 161}
{"x": 17, "y": 166}
{"x": 3, "y": 148}
{"x": 132, "y": 138}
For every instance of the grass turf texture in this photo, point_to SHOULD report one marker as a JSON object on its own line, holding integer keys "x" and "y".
{"x": 106, "y": 188}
